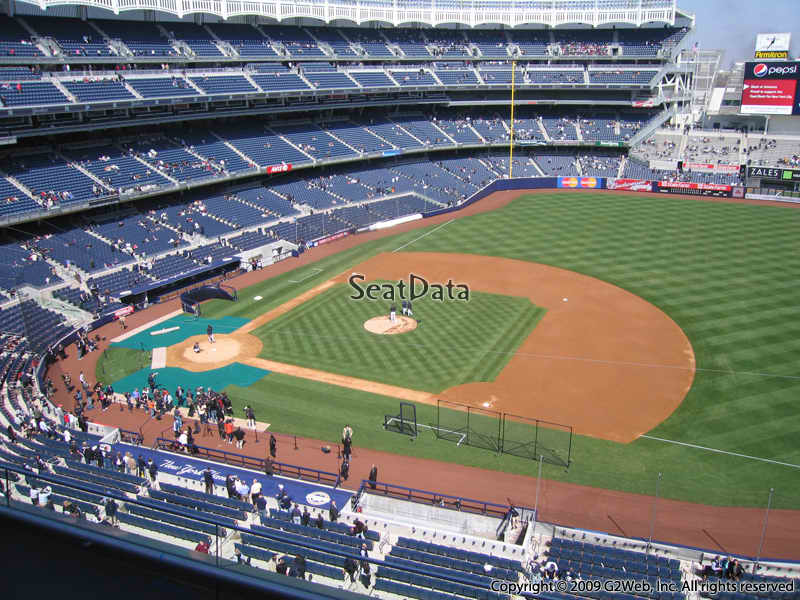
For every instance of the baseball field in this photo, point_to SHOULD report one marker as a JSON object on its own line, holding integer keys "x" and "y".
{"x": 663, "y": 330}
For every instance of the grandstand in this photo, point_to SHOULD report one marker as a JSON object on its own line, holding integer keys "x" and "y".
{"x": 143, "y": 153}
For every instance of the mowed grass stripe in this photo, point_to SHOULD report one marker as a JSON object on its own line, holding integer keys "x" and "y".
{"x": 327, "y": 333}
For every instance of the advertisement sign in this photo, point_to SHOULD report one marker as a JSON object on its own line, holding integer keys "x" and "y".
{"x": 772, "y": 45}
{"x": 770, "y": 88}
{"x": 331, "y": 238}
{"x": 284, "y": 168}
{"x": 711, "y": 168}
{"x": 778, "y": 173}
{"x": 629, "y": 185}
{"x": 694, "y": 189}
{"x": 579, "y": 182}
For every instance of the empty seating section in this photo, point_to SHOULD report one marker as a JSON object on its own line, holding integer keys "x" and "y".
{"x": 117, "y": 170}
{"x": 194, "y": 36}
{"x": 551, "y": 76}
{"x": 207, "y": 144}
{"x": 334, "y": 39}
{"x": 192, "y": 218}
{"x": 599, "y": 165}
{"x": 266, "y": 201}
{"x": 225, "y": 84}
{"x": 372, "y": 79}
{"x": 599, "y": 128}
{"x": 264, "y": 148}
{"x": 19, "y": 73}
{"x": 13, "y": 200}
{"x": 393, "y": 134}
{"x": 457, "y": 77}
{"x": 556, "y": 164}
{"x": 502, "y": 76}
{"x": 78, "y": 247}
{"x": 411, "y": 78}
{"x": 84, "y": 300}
{"x": 250, "y": 240}
{"x": 15, "y": 39}
{"x": 531, "y": 43}
{"x": 30, "y": 93}
{"x": 294, "y": 40}
{"x": 168, "y": 266}
{"x": 121, "y": 281}
{"x": 174, "y": 161}
{"x": 145, "y": 39}
{"x": 592, "y": 560}
{"x": 51, "y": 179}
{"x": 410, "y": 41}
{"x": 75, "y": 37}
{"x": 20, "y": 266}
{"x": 458, "y": 129}
{"x": 330, "y": 80}
{"x": 357, "y": 137}
{"x": 41, "y": 327}
{"x": 234, "y": 212}
{"x": 142, "y": 235}
{"x": 98, "y": 91}
{"x": 312, "y": 141}
{"x": 370, "y": 40}
{"x": 423, "y": 130}
{"x": 160, "y": 87}
{"x": 622, "y": 77}
{"x": 560, "y": 128}
{"x": 491, "y": 129}
{"x": 491, "y": 43}
{"x": 279, "y": 81}
{"x": 245, "y": 39}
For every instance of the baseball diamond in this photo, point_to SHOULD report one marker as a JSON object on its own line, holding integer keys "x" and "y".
{"x": 400, "y": 299}
{"x": 564, "y": 362}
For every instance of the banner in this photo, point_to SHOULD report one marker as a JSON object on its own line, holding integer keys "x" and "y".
{"x": 284, "y": 168}
{"x": 122, "y": 312}
{"x": 694, "y": 189}
{"x": 770, "y": 88}
{"x": 580, "y": 182}
{"x": 711, "y": 168}
{"x": 775, "y": 173}
{"x": 629, "y": 185}
{"x": 330, "y": 238}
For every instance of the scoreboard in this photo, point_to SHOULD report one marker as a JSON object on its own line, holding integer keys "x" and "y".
{"x": 771, "y": 88}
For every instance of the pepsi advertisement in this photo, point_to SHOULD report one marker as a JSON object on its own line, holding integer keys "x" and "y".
{"x": 771, "y": 88}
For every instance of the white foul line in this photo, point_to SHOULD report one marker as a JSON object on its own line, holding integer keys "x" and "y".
{"x": 308, "y": 275}
{"x": 423, "y": 235}
{"x": 463, "y": 435}
{"x": 766, "y": 460}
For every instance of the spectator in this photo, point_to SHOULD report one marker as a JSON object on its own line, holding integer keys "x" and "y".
{"x": 373, "y": 476}
{"x": 255, "y": 491}
{"x": 333, "y": 512}
{"x": 296, "y": 516}
{"x": 305, "y": 518}
{"x": 320, "y": 523}
{"x": 208, "y": 480}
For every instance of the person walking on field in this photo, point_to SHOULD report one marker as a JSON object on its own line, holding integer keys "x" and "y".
{"x": 122, "y": 322}
{"x": 210, "y": 333}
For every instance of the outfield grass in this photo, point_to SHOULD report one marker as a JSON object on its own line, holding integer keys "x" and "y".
{"x": 327, "y": 333}
{"x": 726, "y": 273}
{"x": 118, "y": 363}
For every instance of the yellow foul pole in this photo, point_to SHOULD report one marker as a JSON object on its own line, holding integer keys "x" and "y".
{"x": 511, "y": 140}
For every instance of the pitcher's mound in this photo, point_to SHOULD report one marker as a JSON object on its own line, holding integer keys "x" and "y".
{"x": 224, "y": 349}
{"x": 384, "y": 325}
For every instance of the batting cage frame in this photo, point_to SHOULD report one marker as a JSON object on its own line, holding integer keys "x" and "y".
{"x": 504, "y": 433}
{"x": 404, "y": 422}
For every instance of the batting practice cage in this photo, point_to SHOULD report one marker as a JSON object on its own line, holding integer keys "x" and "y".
{"x": 403, "y": 422}
{"x": 190, "y": 301}
{"x": 504, "y": 433}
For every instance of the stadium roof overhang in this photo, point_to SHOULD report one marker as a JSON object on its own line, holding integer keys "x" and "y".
{"x": 469, "y": 13}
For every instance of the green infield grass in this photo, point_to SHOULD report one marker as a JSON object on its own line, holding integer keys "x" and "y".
{"x": 471, "y": 341}
{"x": 726, "y": 273}
{"x": 118, "y": 362}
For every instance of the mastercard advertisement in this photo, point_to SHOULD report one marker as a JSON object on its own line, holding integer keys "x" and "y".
{"x": 586, "y": 183}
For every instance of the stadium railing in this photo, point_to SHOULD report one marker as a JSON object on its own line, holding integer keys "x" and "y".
{"x": 259, "y": 464}
{"x": 400, "y": 492}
